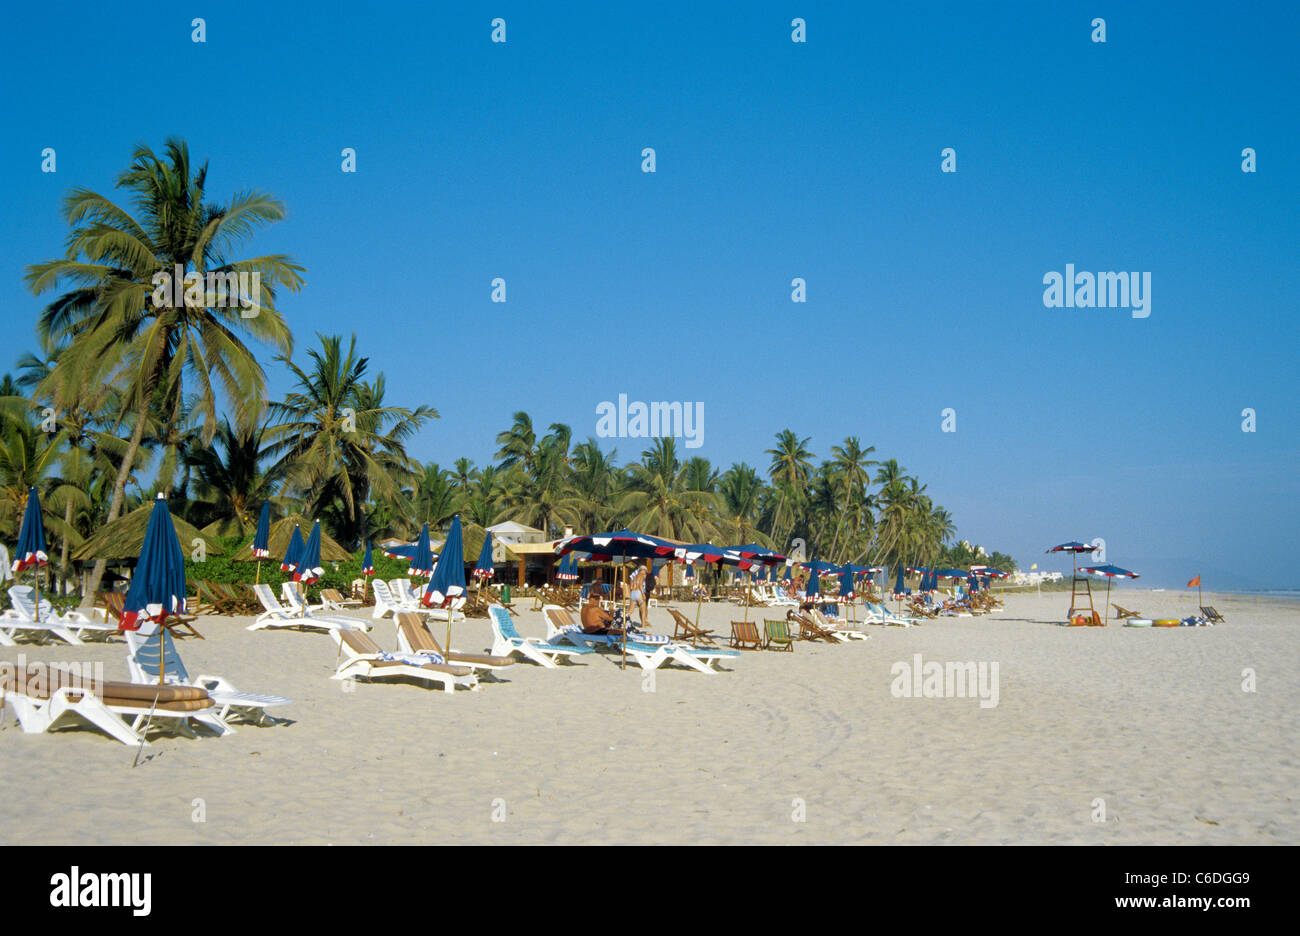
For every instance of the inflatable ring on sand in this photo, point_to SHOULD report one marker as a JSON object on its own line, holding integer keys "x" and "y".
{"x": 1167, "y": 622}
{"x": 1138, "y": 622}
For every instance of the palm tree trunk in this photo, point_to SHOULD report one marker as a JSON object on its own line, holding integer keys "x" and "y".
{"x": 119, "y": 495}
{"x": 63, "y": 549}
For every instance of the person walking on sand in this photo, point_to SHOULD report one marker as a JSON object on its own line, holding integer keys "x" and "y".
{"x": 637, "y": 592}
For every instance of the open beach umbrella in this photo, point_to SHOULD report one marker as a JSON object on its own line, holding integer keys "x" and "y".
{"x": 449, "y": 574}
{"x": 294, "y": 550}
{"x": 422, "y": 561}
{"x": 1110, "y": 572}
{"x": 308, "y": 568}
{"x": 158, "y": 583}
{"x": 625, "y": 544}
{"x": 30, "y": 553}
{"x": 715, "y": 555}
{"x": 1073, "y": 547}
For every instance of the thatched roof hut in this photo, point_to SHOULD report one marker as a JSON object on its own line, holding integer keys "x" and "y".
{"x": 282, "y": 532}
{"x": 123, "y": 538}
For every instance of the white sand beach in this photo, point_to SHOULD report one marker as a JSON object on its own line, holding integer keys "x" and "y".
{"x": 1154, "y": 722}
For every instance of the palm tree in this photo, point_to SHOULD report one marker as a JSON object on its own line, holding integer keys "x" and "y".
{"x": 517, "y": 444}
{"x": 740, "y": 491}
{"x": 112, "y": 331}
{"x": 230, "y": 483}
{"x": 338, "y": 442}
{"x": 852, "y": 466}
{"x": 789, "y": 471}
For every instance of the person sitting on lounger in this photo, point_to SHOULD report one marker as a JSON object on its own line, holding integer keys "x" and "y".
{"x": 595, "y": 619}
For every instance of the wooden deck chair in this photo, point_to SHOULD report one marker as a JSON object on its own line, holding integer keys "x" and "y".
{"x": 810, "y": 630}
{"x": 745, "y": 635}
{"x": 1122, "y": 613}
{"x": 333, "y": 600}
{"x": 414, "y": 637}
{"x": 686, "y": 629}
{"x": 777, "y": 636}
{"x": 115, "y": 608}
{"x": 1211, "y": 615}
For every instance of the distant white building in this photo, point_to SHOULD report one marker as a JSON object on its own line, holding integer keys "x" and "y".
{"x": 512, "y": 532}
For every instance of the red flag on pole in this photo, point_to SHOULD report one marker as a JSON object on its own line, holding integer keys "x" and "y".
{"x": 1195, "y": 583}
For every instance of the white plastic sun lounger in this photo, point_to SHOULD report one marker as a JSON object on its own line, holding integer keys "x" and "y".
{"x": 44, "y": 699}
{"x": 363, "y": 659}
{"x": 71, "y": 627}
{"x": 277, "y": 615}
{"x": 299, "y": 608}
{"x": 879, "y": 614}
{"x": 649, "y": 651}
{"x": 410, "y": 601}
{"x": 142, "y": 661}
{"x": 507, "y": 641}
{"x": 386, "y": 602}
{"x": 839, "y": 628}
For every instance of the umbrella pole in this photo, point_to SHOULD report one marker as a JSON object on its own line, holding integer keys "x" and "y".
{"x": 1107, "y": 620}
{"x": 258, "y": 580}
{"x": 747, "y": 596}
{"x": 36, "y": 587}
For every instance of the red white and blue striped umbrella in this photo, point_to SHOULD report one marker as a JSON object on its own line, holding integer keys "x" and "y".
{"x": 367, "y": 562}
{"x": 1110, "y": 572}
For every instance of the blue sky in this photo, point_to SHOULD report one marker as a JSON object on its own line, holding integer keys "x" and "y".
{"x": 774, "y": 160}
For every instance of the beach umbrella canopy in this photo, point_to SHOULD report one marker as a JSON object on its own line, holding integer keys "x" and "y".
{"x": 1110, "y": 573}
{"x": 367, "y": 562}
{"x": 450, "y": 571}
{"x": 308, "y": 568}
{"x": 812, "y": 589}
{"x": 292, "y": 551}
{"x": 761, "y": 574}
{"x": 898, "y": 582}
{"x": 422, "y": 560}
{"x": 788, "y": 575}
{"x": 158, "y": 585}
{"x": 757, "y": 553}
{"x": 821, "y": 568}
{"x": 484, "y": 569}
{"x": 846, "y": 585}
{"x": 604, "y": 547}
{"x": 261, "y": 544}
{"x": 31, "y": 536}
{"x": 567, "y": 570}
{"x": 400, "y": 551}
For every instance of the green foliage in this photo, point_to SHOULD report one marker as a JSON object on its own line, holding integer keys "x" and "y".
{"x": 224, "y": 570}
